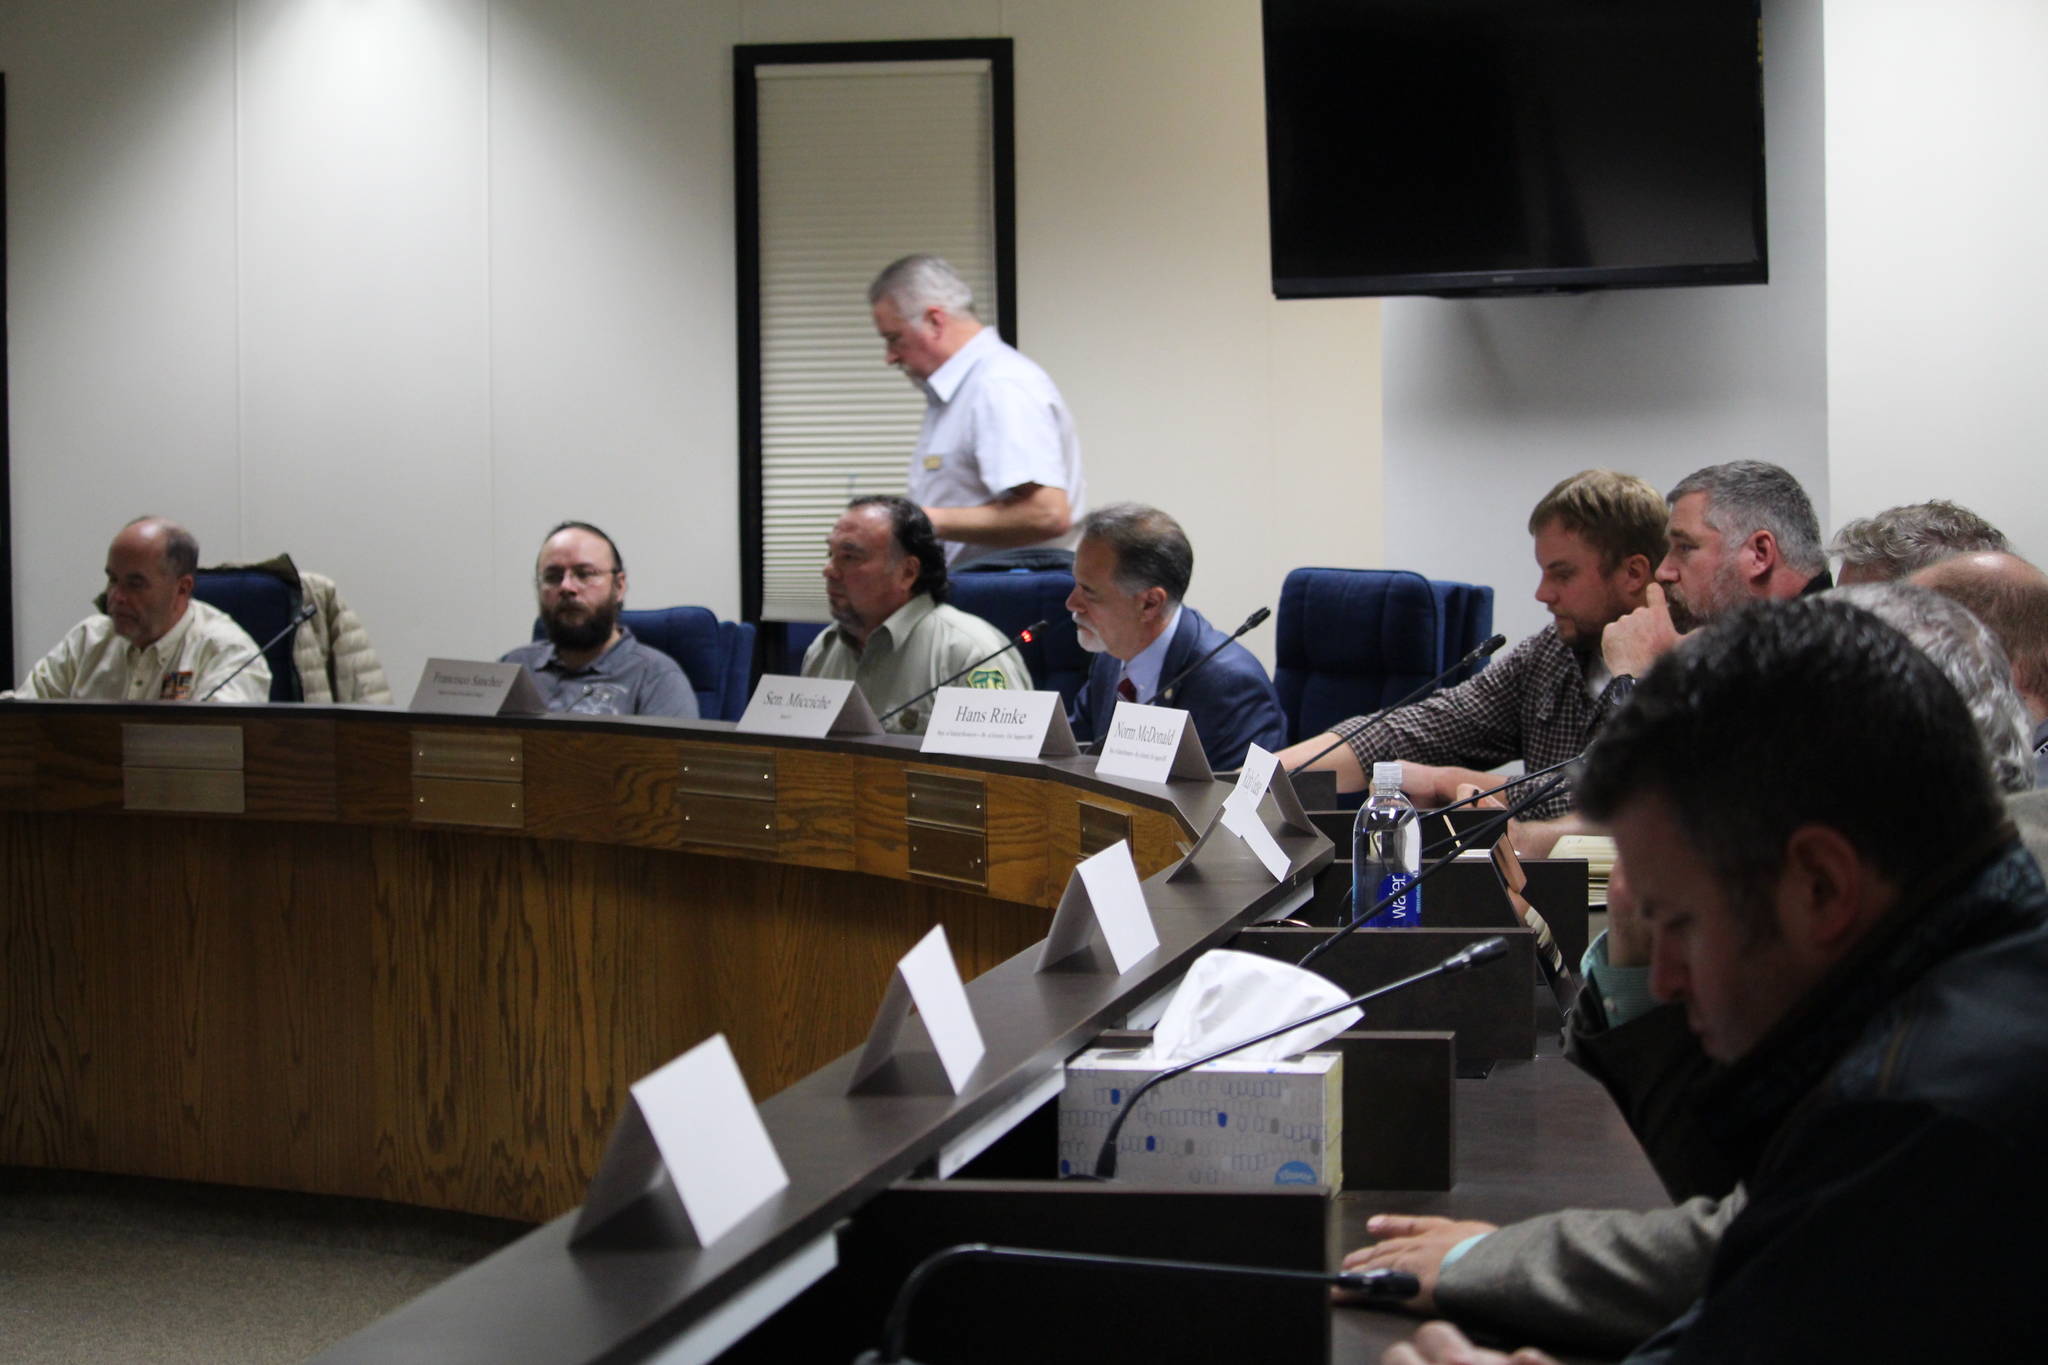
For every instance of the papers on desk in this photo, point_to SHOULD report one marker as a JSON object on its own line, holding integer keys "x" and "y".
{"x": 1598, "y": 851}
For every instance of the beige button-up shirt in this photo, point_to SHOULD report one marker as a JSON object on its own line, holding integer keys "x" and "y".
{"x": 920, "y": 645}
{"x": 186, "y": 663}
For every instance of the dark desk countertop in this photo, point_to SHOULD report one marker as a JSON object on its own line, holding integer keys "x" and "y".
{"x": 1533, "y": 1137}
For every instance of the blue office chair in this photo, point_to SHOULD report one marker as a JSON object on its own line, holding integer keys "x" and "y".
{"x": 717, "y": 656}
{"x": 1353, "y": 640}
{"x": 262, "y": 604}
{"x": 1012, "y": 599}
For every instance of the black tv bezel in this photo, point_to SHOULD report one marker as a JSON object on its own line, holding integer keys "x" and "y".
{"x": 1532, "y": 281}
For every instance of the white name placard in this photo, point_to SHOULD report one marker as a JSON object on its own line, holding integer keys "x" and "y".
{"x": 807, "y": 707}
{"x": 1152, "y": 744}
{"x": 1104, "y": 896}
{"x": 927, "y": 977}
{"x": 470, "y": 687}
{"x": 991, "y": 723}
{"x": 693, "y": 1118}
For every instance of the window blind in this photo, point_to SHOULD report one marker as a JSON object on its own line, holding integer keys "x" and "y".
{"x": 858, "y": 163}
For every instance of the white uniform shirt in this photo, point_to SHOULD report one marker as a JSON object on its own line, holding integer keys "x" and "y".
{"x": 993, "y": 421}
{"x": 184, "y": 665}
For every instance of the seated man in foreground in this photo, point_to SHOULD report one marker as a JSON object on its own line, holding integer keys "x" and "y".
{"x": 1130, "y": 575}
{"x": 590, "y": 665}
{"x": 1598, "y": 538}
{"x": 1871, "y": 1001}
{"x": 155, "y": 642}
{"x": 892, "y": 631}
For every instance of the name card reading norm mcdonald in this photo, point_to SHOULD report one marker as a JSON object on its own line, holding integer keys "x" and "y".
{"x": 694, "y": 1119}
{"x": 470, "y": 687}
{"x": 807, "y": 708}
{"x": 983, "y": 722}
{"x": 1103, "y": 897}
{"x": 1152, "y": 744}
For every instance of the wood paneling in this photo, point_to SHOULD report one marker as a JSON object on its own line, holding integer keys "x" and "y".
{"x": 320, "y": 995}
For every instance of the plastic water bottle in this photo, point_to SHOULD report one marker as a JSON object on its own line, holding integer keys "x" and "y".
{"x": 1386, "y": 853}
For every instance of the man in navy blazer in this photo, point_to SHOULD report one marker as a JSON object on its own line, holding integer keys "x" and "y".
{"x": 1131, "y": 571}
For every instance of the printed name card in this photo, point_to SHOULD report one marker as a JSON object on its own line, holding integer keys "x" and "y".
{"x": 926, "y": 977}
{"x": 1259, "y": 782}
{"x": 1262, "y": 777}
{"x": 1103, "y": 898}
{"x": 694, "y": 1119}
{"x": 467, "y": 687}
{"x": 809, "y": 708}
{"x": 985, "y": 722}
{"x": 1152, "y": 744}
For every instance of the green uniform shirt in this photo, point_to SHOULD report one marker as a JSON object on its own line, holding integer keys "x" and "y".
{"x": 921, "y": 644}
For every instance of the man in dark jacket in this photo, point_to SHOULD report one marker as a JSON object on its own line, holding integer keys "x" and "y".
{"x": 1130, "y": 573}
{"x": 1867, "y": 984}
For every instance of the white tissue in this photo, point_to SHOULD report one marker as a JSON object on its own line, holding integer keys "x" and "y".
{"x": 1228, "y": 996}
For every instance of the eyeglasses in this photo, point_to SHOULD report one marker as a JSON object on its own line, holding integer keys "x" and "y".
{"x": 584, "y": 574}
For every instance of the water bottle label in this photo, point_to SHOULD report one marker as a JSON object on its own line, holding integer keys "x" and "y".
{"x": 1403, "y": 912}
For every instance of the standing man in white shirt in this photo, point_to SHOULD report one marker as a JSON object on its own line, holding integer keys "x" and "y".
{"x": 156, "y": 642}
{"x": 997, "y": 466}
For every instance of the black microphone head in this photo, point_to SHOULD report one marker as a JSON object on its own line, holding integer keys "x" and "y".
{"x": 1493, "y": 642}
{"x": 1476, "y": 954}
{"x": 1256, "y": 618}
{"x": 1030, "y": 632}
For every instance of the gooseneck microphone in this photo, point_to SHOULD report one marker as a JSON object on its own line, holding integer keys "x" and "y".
{"x": 1022, "y": 637}
{"x": 1478, "y": 834}
{"x": 1387, "y": 1286}
{"x": 299, "y": 618}
{"x": 1167, "y": 693}
{"x": 1471, "y": 955}
{"x": 1483, "y": 650}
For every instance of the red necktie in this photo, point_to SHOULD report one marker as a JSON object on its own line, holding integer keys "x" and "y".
{"x": 1127, "y": 689}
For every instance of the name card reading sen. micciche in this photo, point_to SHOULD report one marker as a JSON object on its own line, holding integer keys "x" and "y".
{"x": 982, "y": 723}
{"x": 1152, "y": 744}
{"x": 809, "y": 708}
{"x": 471, "y": 687}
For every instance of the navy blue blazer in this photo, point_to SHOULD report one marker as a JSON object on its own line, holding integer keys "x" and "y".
{"x": 1230, "y": 698}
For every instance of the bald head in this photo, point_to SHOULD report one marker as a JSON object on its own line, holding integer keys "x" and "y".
{"x": 149, "y": 578}
{"x": 2009, "y": 595}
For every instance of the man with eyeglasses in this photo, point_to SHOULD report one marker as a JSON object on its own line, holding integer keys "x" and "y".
{"x": 590, "y": 665}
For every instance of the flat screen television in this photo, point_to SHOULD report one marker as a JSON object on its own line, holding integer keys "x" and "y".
{"x": 1485, "y": 147}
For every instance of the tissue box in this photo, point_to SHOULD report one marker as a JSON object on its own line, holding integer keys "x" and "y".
{"x": 1229, "y": 1124}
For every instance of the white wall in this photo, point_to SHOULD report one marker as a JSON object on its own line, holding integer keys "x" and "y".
{"x": 1937, "y": 155}
{"x": 394, "y": 287}
{"x": 1489, "y": 402}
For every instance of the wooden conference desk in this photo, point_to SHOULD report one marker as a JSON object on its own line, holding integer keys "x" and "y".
{"x": 355, "y": 951}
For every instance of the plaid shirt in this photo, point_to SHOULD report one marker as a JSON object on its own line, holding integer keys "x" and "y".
{"x": 1532, "y": 705}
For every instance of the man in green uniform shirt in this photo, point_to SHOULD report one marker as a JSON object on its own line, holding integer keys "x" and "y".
{"x": 892, "y": 632}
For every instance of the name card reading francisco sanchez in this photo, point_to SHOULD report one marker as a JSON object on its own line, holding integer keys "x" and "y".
{"x": 469, "y": 687}
{"x": 982, "y": 723}
{"x": 808, "y": 707}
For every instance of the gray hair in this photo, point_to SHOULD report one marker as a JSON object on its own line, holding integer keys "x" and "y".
{"x": 1899, "y": 540}
{"x": 1747, "y": 496}
{"x": 915, "y": 283}
{"x": 180, "y": 546}
{"x": 1151, "y": 549}
{"x": 1969, "y": 655}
